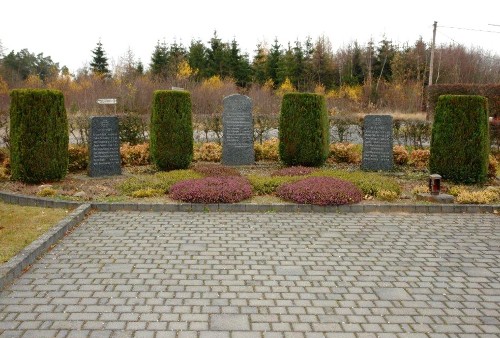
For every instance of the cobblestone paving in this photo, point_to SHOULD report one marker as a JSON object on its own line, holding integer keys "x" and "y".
{"x": 246, "y": 275}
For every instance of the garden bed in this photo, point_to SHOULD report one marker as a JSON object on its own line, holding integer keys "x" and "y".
{"x": 142, "y": 184}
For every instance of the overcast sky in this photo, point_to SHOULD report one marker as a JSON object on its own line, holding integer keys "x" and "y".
{"x": 68, "y": 30}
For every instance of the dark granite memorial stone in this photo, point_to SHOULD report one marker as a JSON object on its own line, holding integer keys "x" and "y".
{"x": 377, "y": 143}
{"x": 237, "y": 140}
{"x": 104, "y": 146}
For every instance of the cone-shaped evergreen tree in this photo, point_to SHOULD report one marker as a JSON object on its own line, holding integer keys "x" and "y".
{"x": 99, "y": 64}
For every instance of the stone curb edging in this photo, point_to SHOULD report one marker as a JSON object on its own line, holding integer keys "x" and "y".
{"x": 245, "y": 207}
{"x": 16, "y": 265}
{"x": 355, "y": 208}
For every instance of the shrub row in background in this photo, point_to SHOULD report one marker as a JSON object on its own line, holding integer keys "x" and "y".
{"x": 304, "y": 130}
{"x": 460, "y": 139}
{"x": 38, "y": 135}
{"x": 138, "y": 155}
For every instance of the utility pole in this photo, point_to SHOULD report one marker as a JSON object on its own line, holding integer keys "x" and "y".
{"x": 431, "y": 66}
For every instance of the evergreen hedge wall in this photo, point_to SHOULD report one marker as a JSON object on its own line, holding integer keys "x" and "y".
{"x": 460, "y": 139}
{"x": 38, "y": 135}
{"x": 490, "y": 91}
{"x": 303, "y": 130}
{"x": 171, "y": 131}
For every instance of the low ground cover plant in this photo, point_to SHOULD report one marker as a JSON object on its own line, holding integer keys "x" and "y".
{"x": 320, "y": 191}
{"x": 228, "y": 189}
{"x": 293, "y": 171}
{"x": 216, "y": 170}
{"x": 161, "y": 181}
{"x": 135, "y": 154}
{"x": 419, "y": 158}
{"x": 207, "y": 152}
{"x": 400, "y": 155}
{"x": 267, "y": 151}
{"x": 78, "y": 157}
{"x": 370, "y": 183}
{"x": 345, "y": 153}
{"x": 266, "y": 185}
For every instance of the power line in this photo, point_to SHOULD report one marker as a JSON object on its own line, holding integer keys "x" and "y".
{"x": 471, "y": 29}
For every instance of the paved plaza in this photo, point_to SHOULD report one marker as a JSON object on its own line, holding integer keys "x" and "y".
{"x": 246, "y": 275}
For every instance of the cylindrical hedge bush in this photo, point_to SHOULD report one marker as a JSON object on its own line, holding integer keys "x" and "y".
{"x": 303, "y": 132}
{"x": 171, "y": 131}
{"x": 38, "y": 135}
{"x": 460, "y": 139}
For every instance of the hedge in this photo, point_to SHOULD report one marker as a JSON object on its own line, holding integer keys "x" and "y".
{"x": 38, "y": 135}
{"x": 171, "y": 131}
{"x": 460, "y": 139}
{"x": 304, "y": 130}
{"x": 490, "y": 91}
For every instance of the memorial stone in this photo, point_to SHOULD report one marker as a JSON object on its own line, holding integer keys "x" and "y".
{"x": 104, "y": 146}
{"x": 377, "y": 143}
{"x": 237, "y": 140}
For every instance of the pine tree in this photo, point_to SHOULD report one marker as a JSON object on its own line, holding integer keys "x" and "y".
{"x": 140, "y": 67}
{"x": 286, "y": 67}
{"x": 176, "y": 54}
{"x": 159, "y": 60}
{"x": 273, "y": 60}
{"x": 239, "y": 66}
{"x": 99, "y": 64}
{"x": 197, "y": 59}
{"x": 357, "y": 68}
{"x": 259, "y": 64}
{"x": 217, "y": 57}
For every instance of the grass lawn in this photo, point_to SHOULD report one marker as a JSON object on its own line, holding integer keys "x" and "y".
{"x": 19, "y": 226}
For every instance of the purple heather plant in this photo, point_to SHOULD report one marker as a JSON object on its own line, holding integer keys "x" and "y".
{"x": 320, "y": 191}
{"x": 228, "y": 189}
{"x": 293, "y": 171}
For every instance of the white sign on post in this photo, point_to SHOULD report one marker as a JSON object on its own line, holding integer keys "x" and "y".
{"x": 106, "y": 101}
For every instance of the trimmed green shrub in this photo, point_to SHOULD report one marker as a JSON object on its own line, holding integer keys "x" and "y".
{"x": 171, "y": 131}
{"x": 38, "y": 135}
{"x": 460, "y": 139}
{"x": 304, "y": 130}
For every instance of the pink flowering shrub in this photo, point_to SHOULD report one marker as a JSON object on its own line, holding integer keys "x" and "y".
{"x": 293, "y": 171}
{"x": 228, "y": 189}
{"x": 216, "y": 170}
{"x": 320, "y": 191}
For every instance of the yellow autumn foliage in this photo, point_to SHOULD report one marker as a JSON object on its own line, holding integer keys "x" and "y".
{"x": 285, "y": 87}
{"x": 213, "y": 82}
{"x": 33, "y": 81}
{"x": 184, "y": 70}
{"x": 346, "y": 92}
{"x": 4, "y": 87}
